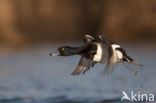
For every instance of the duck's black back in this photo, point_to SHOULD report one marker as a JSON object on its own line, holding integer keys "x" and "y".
{"x": 88, "y": 50}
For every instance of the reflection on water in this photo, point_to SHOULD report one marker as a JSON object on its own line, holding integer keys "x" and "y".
{"x": 32, "y": 76}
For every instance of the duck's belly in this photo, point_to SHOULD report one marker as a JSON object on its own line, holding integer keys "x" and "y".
{"x": 98, "y": 56}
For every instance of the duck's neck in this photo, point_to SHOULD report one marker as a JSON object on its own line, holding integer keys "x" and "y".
{"x": 73, "y": 50}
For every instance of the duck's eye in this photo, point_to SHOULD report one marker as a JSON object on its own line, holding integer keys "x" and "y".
{"x": 63, "y": 49}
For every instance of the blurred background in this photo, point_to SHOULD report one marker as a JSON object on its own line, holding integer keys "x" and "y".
{"x": 45, "y": 21}
{"x": 31, "y": 29}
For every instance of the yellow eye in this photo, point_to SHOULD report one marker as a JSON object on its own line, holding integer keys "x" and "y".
{"x": 63, "y": 49}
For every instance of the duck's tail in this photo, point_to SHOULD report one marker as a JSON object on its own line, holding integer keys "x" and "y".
{"x": 135, "y": 63}
{"x": 130, "y": 60}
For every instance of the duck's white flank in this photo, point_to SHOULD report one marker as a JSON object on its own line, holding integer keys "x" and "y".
{"x": 98, "y": 55}
{"x": 117, "y": 55}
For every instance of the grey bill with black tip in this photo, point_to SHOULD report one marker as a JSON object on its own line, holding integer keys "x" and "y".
{"x": 55, "y": 54}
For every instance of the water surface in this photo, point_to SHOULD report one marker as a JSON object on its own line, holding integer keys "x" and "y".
{"x": 32, "y": 76}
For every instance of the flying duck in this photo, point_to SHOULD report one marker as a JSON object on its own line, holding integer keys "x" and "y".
{"x": 97, "y": 50}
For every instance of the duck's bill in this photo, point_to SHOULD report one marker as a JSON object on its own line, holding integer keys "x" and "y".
{"x": 55, "y": 54}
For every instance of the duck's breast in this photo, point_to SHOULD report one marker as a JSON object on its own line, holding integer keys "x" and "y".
{"x": 98, "y": 56}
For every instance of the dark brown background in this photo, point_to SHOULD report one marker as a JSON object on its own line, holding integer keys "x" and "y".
{"x": 45, "y": 21}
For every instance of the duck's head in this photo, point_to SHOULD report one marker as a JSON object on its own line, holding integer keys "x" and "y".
{"x": 64, "y": 51}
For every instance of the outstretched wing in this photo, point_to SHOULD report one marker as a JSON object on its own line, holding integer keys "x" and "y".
{"x": 88, "y": 39}
{"x": 83, "y": 66}
{"x": 109, "y": 68}
{"x": 84, "y": 63}
{"x": 110, "y": 65}
{"x": 93, "y": 38}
